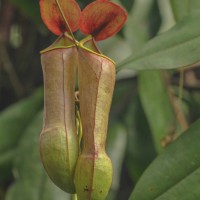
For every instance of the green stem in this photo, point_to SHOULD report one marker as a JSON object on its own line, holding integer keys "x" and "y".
{"x": 179, "y": 113}
{"x": 74, "y": 197}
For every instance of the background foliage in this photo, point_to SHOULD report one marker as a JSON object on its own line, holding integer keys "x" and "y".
{"x": 153, "y": 137}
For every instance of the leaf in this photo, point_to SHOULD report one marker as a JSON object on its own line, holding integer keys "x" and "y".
{"x": 121, "y": 98}
{"x": 7, "y": 157}
{"x": 14, "y": 119}
{"x": 194, "y": 103}
{"x": 174, "y": 174}
{"x": 180, "y": 8}
{"x": 175, "y": 48}
{"x": 53, "y": 18}
{"x": 102, "y": 19}
{"x": 29, "y": 8}
{"x": 136, "y": 29}
{"x": 157, "y": 105}
{"x": 184, "y": 7}
{"x": 140, "y": 148}
{"x": 32, "y": 182}
{"x": 116, "y": 148}
{"x": 111, "y": 48}
{"x": 194, "y": 4}
{"x": 6, "y": 164}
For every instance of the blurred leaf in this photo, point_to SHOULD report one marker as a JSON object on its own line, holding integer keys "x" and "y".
{"x": 175, "y": 48}
{"x": 6, "y": 164}
{"x": 157, "y": 105}
{"x": 154, "y": 19}
{"x": 184, "y": 7}
{"x": 175, "y": 173}
{"x": 122, "y": 97}
{"x": 15, "y": 118}
{"x": 140, "y": 148}
{"x": 194, "y": 5}
{"x": 136, "y": 28}
{"x": 32, "y": 182}
{"x": 1, "y": 194}
{"x": 167, "y": 16}
{"x": 110, "y": 48}
{"x": 137, "y": 34}
{"x": 29, "y": 8}
{"x": 180, "y": 8}
{"x": 116, "y": 146}
{"x": 127, "y": 4}
{"x": 194, "y": 104}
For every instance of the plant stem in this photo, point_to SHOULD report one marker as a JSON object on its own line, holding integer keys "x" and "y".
{"x": 74, "y": 197}
{"x": 179, "y": 114}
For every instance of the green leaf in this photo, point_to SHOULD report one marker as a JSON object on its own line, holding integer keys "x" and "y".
{"x": 194, "y": 4}
{"x": 175, "y": 48}
{"x": 15, "y": 118}
{"x": 180, "y": 8}
{"x": 140, "y": 148}
{"x": 7, "y": 157}
{"x": 6, "y": 163}
{"x": 116, "y": 146}
{"x": 174, "y": 174}
{"x": 194, "y": 103}
{"x": 121, "y": 97}
{"x": 32, "y": 182}
{"x": 110, "y": 48}
{"x": 157, "y": 105}
{"x": 136, "y": 29}
{"x": 29, "y": 8}
{"x": 184, "y": 7}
